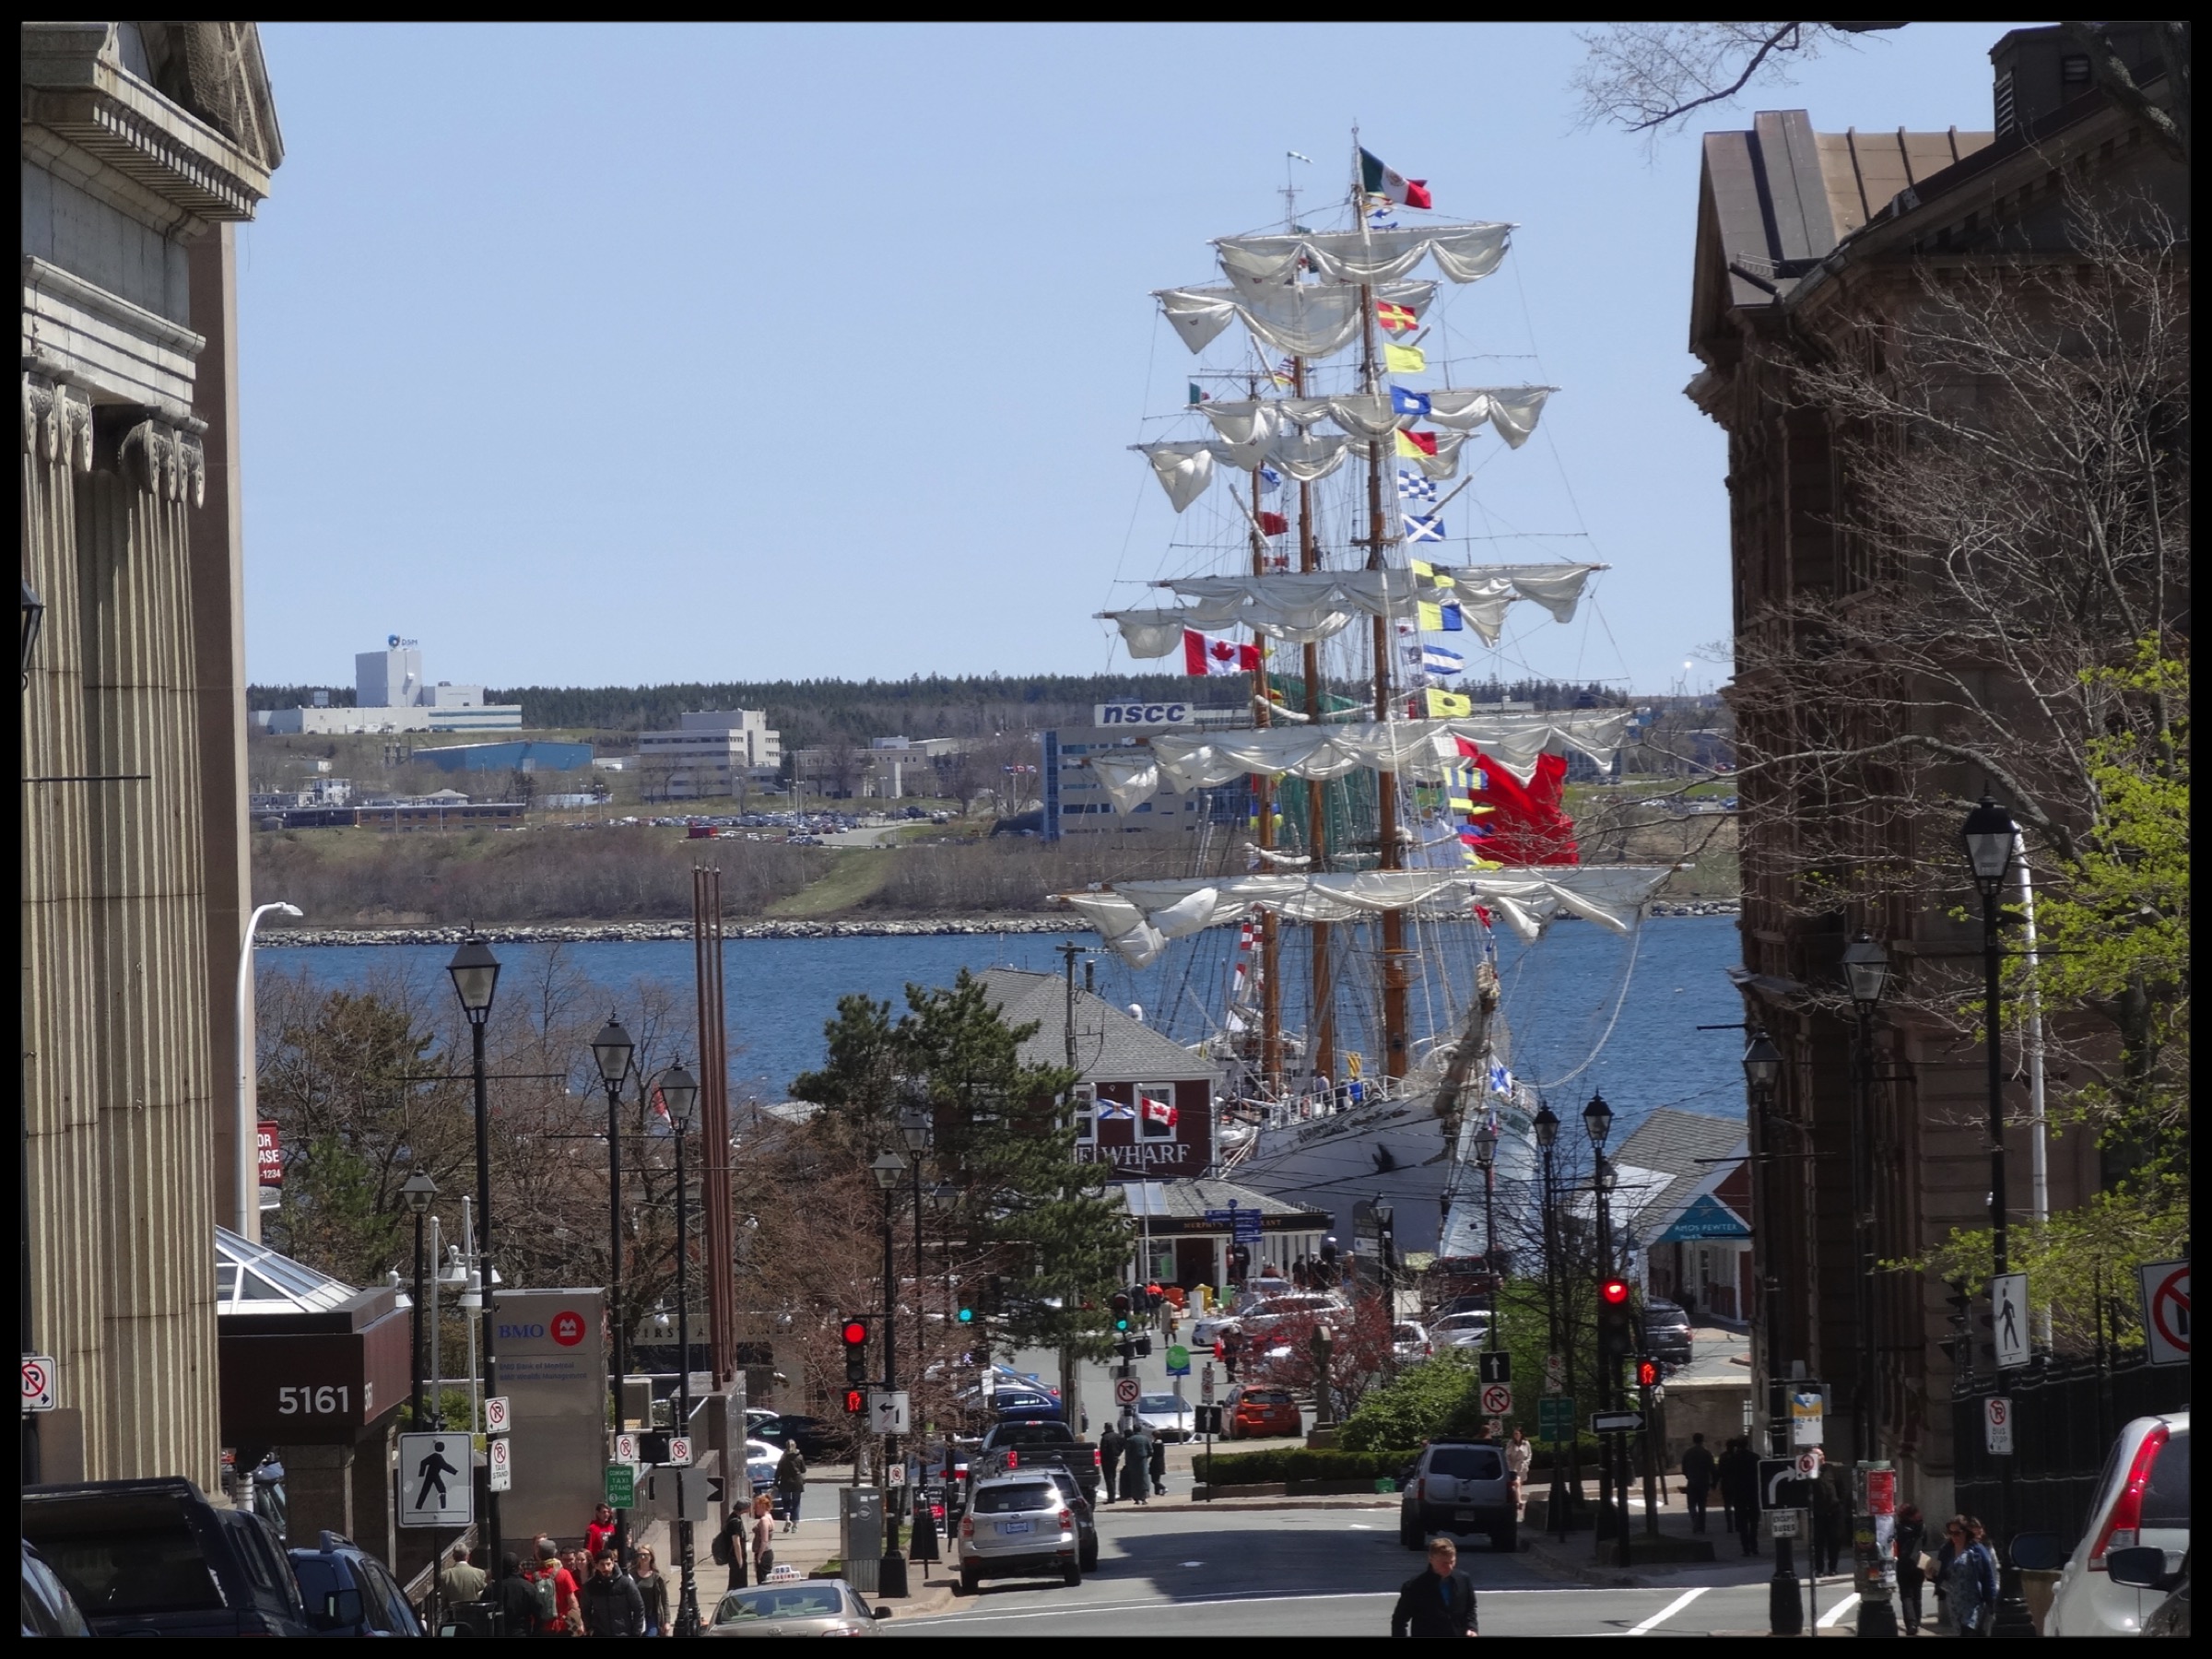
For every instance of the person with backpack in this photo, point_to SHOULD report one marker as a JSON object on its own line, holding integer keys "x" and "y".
{"x": 731, "y": 1547}
{"x": 516, "y": 1598}
{"x": 555, "y": 1588}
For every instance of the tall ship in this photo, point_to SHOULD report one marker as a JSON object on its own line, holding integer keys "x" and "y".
{"x": 1346, "y": 944}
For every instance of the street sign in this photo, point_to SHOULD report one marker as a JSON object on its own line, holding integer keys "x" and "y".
{"x": 37, "y": 1382}
{"x": 1615, "y": 1422}
{"x": 1996, "y": 1424}
{"x": 626, "y": 1448}
{"x": 1179, "y": 1361}
{"x": 1496, "y": 1367}
{"x": 1125, "y": 1391}
{"x": 1555, "y": 1418}
{"x": 621, "y": 1486}
{"x": 1247, "y": 1228}
{"x": 1782, "y": 1523}
{"x": 1808, "y": 1465}
{"x": 1807, "y": 1407}
{"x": 679, "y": 1451}
{"x": 435, "y": 1487}
{"x": 1497, "y": 1399}
{"x": 1777, "y": 1483}
{"x": 499, "y": 1457}
{"x": 2166, "y": 1311}
{"x": 887, "y": 1411}
{"x": 1205, "y": 1381}
{"x": 1554, "y": 1373}
{"x": 496, "y": 1417}
{"x": 2009, "y": 1319}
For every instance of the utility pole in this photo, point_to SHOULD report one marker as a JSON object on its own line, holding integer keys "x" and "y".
{"x": 1071, "y": 1407}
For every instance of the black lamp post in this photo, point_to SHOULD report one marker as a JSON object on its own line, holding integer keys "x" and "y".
{"x": 679, "y": 1093}
{"x": 1613, "y": 1457}
{"x": 34, "y": 613}
{"x": 890, "y": 1169}
{"x": 1485, "y": 1154}
{"x": 915, "y": 1129}
{"x": 1546, "y": 1126}
{"x": 475, "y": 975}
{"x": 417, "y": 1195}
{"x": 1762, "y": 1074}
{"x": 1989, "y": 833}
{"x": 1866, "y": 972}
{"x": 611, "y": 1050}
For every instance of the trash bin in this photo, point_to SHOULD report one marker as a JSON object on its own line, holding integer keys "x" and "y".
{"x": 860, "y": 1535}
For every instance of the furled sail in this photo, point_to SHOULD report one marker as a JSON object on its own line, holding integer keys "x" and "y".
{"x": 1420, "y": 747}
{"x": 1307, "y": 320}
{"x": 1304, "y": 608}
{"x": 1137, "y": 918}
{"x": 1463, "y": 252}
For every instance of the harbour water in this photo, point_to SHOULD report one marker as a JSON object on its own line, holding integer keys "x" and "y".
{"x": 1642, "y": 996}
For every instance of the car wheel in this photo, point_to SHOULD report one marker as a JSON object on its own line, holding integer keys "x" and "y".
{"x": 967, "y": 1580}
{"x": 1503, "y": 1538}
{"x": 1409, "y": 1531}
{"x": 1073, "y": 1575}
{"x": 1090, "y": 1558}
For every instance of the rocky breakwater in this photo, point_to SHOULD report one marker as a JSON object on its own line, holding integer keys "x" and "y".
{"x": 585, "y": 932}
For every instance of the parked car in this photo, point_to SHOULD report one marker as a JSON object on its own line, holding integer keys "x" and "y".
{"x": 1458, "y": 1486}
{"x": 1461, "y": 1330}
{"x": 2141, "y": 1503}
{"x": 1043, "y": 1441}
{"x": 1086, "y": 1518}
{"x": 350, "y": 1592}
{"x": 780, "y": 1430}
{"x": 1017, "y": 1525}
{"x": 1168, "y": 1417}
{"x": 1666, "y": 1332}
{"x": 1257, "y": 1409}
{"x": 1409, "y": 1341}
{"x": 155, "y": 1558}
{"x": 48, "y": 1607}
{"x": 760, "y": 1461}
{"x": 803, "y": 1608}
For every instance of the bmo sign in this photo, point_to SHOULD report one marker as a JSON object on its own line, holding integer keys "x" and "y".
{"x": 552, "y": 1358}
{"x": 1141, "y": 715}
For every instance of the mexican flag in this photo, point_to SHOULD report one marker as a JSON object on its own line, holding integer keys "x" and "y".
{"x": 1217, "y": 653}
{"x": 1379, "y": 180}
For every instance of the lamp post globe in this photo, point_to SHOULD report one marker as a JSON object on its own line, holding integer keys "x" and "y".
{"x": 679, "y": 1093}
{"x": 1988, "y": 834}
{"x": 1485, "y": 1146}
{"x": 1763, "y": 1064}
{"x": 418, "y": 1192}
{"x": 611, "y": 1050}
{"x": 1546, "y": 1126}
{"x": 888, "y": 1169}
{"x": 1866, "y": 970}
{"x": 913, "y": 1127}
{"x": 476, "y": 976}
{"x": 1598, "y": 1118}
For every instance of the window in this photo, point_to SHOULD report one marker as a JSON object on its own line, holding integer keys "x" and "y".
{"x": 1014, "y": 1500}
{"x": 1465, "y": 1463}
{"x": 1083, "y": 1099}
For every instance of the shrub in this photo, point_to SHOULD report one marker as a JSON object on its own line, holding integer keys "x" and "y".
{"x": 1442, "y": 1395}
{"x": 1298, "y": 1463}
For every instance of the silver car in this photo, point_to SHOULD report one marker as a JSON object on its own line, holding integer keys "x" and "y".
{"x": 1017, "y": 1526}
{"x": 1167, "y": 1417}
{"x": 803, "y": 1608}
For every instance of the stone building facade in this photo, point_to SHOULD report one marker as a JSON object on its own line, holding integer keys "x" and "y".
{"x": 1799, "y": 232}
{"x": 143, "y": 145}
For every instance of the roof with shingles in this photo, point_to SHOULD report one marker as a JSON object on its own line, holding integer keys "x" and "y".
{"x": 1110, "y": 1046}
{"x": 1190, "y": 1197}
{"x": 1671, "y": 1142}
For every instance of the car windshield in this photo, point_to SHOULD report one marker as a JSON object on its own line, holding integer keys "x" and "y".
{"x": 1029, "y": 1434}
{"x": 1014, "y": 1500}
{"x": 1269, "y": 1396}
{"x": 1166, "y": 1403}
{"x": 1465, "y": 1463}
{"x": 1462, "y": 1322}
{"x": 132, "y": 1569}
{"x": 781, "y": 1600}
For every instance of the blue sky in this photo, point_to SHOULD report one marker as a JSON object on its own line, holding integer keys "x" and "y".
{"x": 595, "y": 356}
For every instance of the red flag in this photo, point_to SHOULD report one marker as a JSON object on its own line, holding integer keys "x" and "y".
{"x": 1528, "y": 826}
{"x": 1274, "y": 523}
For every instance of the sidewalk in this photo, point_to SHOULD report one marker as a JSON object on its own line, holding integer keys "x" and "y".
{"x": 929, "y": 1584}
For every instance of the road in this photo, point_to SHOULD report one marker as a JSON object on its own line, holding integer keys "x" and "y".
{"x": 1185, "y": 1573}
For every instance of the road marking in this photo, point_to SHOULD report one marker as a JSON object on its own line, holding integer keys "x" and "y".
{"x": 977, "y": 1616}
{"x": 1837, "y": 1612}
{"x": 1363, "y": 1526}
{"x": 1668, "y": 1611}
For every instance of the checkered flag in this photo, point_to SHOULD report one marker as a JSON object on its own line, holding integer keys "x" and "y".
{"x": 1416, "y": 487}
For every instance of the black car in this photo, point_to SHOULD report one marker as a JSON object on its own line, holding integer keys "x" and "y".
{"x": 1086, "y": 1522}
{"x": 350, "y": 1592}
{"x": 154, "y": 1558}
{"x": 48, "y": 1607}
{"x": 1666, "y": 1332}
{"x": 805, "y": 1433}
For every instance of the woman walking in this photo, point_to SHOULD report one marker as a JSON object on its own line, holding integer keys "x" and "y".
{"x": 1912, "y": 1542}
{"x": 653, "y": 1590}
{"x": 791, "y": 1485}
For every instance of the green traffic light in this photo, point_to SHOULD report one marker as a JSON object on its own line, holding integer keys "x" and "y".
{"x": 1121, "y": 1324}
{"x": 967, "y": 1315}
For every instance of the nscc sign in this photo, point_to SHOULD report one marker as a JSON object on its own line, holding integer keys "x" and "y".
{"x": 1141, "y": 715}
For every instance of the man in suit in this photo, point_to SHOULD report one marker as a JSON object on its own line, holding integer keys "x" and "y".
{"x": 1438, "y": 1602}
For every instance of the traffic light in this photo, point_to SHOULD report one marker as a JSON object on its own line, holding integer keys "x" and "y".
{"x": 1120, "y": 1304}
{"x": 856, "y": 1334}
{"x": 1615, "y": 1340}
{"x": 967, "y": 1315}
{"x": 856, "y": 1401}
{"x": 1647, "y": 1374}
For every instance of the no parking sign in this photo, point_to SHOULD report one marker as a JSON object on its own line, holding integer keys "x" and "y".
{"x": 2166, "y": 1311}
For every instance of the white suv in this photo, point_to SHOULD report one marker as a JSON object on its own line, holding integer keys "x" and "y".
{"x": 2142, "y": 1503}
{"x": 1017, "y": 1525}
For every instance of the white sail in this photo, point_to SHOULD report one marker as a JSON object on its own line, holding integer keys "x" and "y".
{"x": 1420, "y": 747}
{"x": 1463, "y": 252}
{"x": 1306, "y": 320}
{"x": 1305, "y": 608}
{"x": 1139, "y": 916}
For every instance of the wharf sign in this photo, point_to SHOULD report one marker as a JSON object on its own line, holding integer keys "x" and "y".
{"x": 1141, "y": 715}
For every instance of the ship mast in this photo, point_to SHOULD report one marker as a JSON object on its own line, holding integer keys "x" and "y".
{"x": 1321, "y": 1045}
{"x": 1271, "y": 1008}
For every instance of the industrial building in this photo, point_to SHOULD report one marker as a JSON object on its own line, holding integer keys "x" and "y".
{"x": 391, "y": 695}
{"x": 1075, "y": 803}
{"x": 713, "y": 752}
{"x": 526, "y": 755}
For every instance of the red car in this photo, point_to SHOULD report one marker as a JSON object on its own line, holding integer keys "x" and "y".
{"x": 1257, "y": 1409}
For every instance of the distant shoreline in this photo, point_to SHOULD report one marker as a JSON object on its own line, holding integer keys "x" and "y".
{"x": 617, "y": 932}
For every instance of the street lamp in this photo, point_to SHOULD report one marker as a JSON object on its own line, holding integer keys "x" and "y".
{"x": 1866, "y": 972}
{"x": 679, "y": 1093}
{"x": 248, "y": 1127}
{"x": 1613, "y": 1453}
{"x": 1762, "y": 1071}
{"x": 416, "y": 1193}
{"x": 475, "y": 975}
{"x": 1597, "y": 1120}
{"x": 915, "y": 1129}
{"x": 611, "y": 1050}
{"x": 1486, "y": 1153}
{"x": 1989, "y": 834}
{"x": 1547, "y": 1127}
{"x": 890, "y": 1169}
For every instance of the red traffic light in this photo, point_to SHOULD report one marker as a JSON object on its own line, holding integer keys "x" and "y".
{"x": 856, "y": 1401}
{"x": 1647, "y": 1374}
{"x": 1613, "y": 1292}
{"x": 856, "y": 1332}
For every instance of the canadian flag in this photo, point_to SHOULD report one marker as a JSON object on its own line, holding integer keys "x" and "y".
{"x": 1216, "y": 653}
{"x": 1159, "y": 1112}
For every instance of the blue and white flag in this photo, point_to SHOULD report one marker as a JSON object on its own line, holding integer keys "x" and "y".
{"x": 1380, "y": 219}
{"x": 1412, "y": 486}
{"x": 1424, "y": 529}
{"x": 1502, "y": 1081}
{"x": 1435, "y": 659}
{"x": 1403, "y": 402}
{"x": 1115, "y": 1108}
{"x": 1271, "y": 481}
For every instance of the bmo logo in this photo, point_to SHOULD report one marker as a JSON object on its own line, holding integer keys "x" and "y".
{"x": 568, "y": 1328}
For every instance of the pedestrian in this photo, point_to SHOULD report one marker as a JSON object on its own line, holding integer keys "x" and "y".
{"x": 598, "y": 1533}
{"x": 1232, "y": 1350}
{"x": 1744, "y": 1483}
{"x": 461, "y": 1582}
{"x": 1439, "y": 1601}
{"x": 565, "y": 1619}
{"x": 611, "y": 1604}
{"x": 1966, "y": 1579}
{"x": 1110, "y": 1461}
{"x": 1137, "y": 1462}
{"x": 1697, "y": 1481}
{"x": 729, "y": 1546}
{"x": 791, "y": 1485}
{"x": 763, "y": 1538}
{"x": 1159, "y": 1465}
{"x": 516, "y": 1598}
{"x": 1520, "y": 1457}
{"x": 1724, "y": 1479}
{"x": 653, "y": 1590}
{"x": 1829, "y": 1525}
{"x": 1910, "y": 1541}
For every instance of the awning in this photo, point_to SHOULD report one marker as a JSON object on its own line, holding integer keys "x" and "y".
{"x": 1707, "y": 1218}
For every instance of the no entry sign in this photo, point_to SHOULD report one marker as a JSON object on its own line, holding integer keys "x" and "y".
{"x": 2166, "y": 1311}
{"x": 1497, "y": 1399}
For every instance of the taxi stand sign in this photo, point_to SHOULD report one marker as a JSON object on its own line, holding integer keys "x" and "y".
{"x": 499, "y": 1457}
